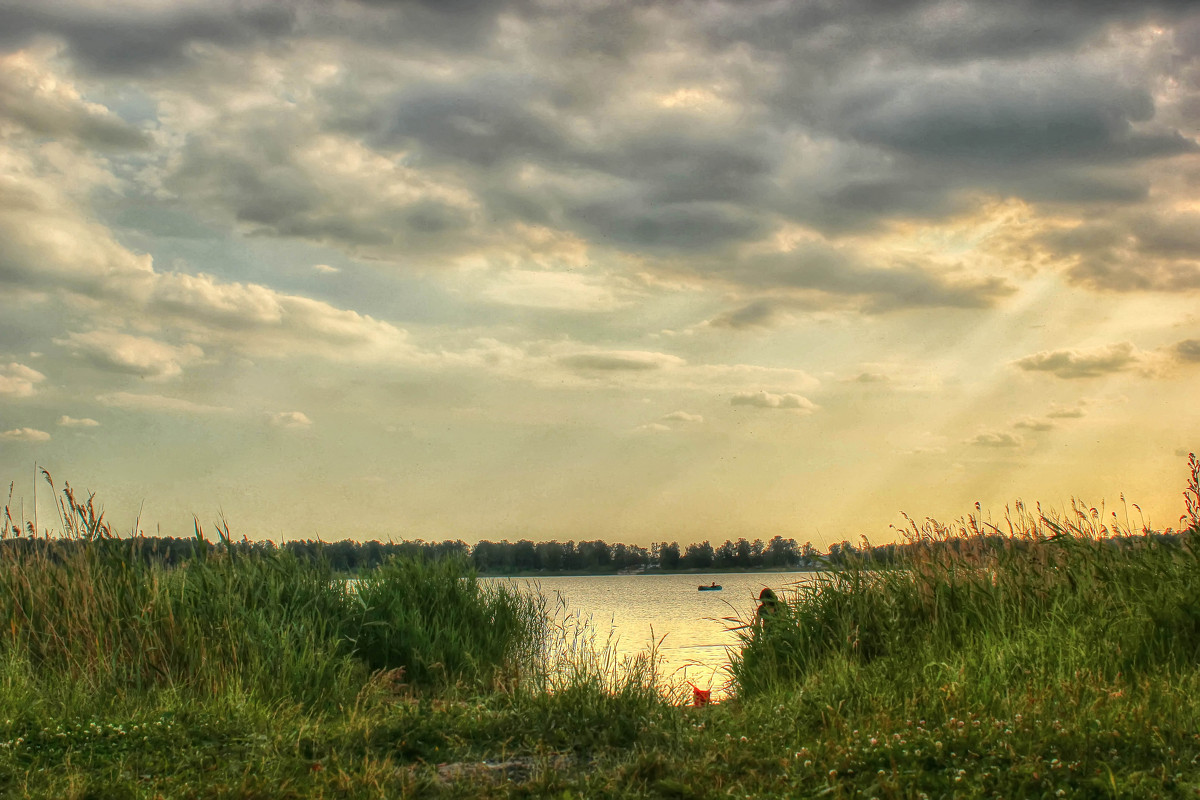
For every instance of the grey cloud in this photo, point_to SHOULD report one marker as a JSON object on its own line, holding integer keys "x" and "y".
{"x": 995, "y": 439}
{"x": 481, "y": 122}
{"x": 1033, "y": 424}
{"x": 680, "y": 161}
{"x": 926, "y": 29}
{"x": 109, "y": 38}
{"x": 1093, "y": 363}
{"x": 1066, "y": 413}
{"x": 1188, "y": 350}
{"x": 1112, "y": 272}
{"x": 547, "y": 137}
{"x": 52, "y": 244}
{"x": 833, "y": 271}
{"x": 457, "y": 25}
{"x": 665, "y": 183}
{"x": 759, "y": 314}
{"x": 263, "y": 178}
{"x": 677, "y": 226}
{"x": 1007, "y": 116}
{"x": 1131, "y": 252}
{"x": 620, "y": 361}
{"x": 25, "y": 101}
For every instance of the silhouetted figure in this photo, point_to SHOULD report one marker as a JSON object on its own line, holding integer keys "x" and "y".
{"x": 769, "y": 606}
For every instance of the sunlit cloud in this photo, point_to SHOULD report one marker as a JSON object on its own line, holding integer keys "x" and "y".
{"x": 291, "y": 420}
{"x": 764, "y": 399}
{"x": 133, "y": 355}
{"x": 25, "y": 435}
{"x": 518, "y": 233}
{"x": 18, "y": 380}
{"x": 66, "y": 421}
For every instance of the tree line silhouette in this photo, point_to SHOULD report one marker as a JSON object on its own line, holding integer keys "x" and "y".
{"x": 489, "y": 558}
{"x": 525, "y": 556}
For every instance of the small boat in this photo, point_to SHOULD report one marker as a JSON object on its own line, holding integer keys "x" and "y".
{"x": 716, "y": 587}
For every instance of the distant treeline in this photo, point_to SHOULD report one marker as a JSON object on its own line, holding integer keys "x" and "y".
{"x": 496, "y": 558}
{"x": 524, "y": 556}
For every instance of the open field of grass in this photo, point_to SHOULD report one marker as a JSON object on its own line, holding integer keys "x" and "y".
{"x": 1040, "y": 657}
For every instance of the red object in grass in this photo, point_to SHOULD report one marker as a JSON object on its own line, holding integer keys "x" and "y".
{"x": 700, "y": 697}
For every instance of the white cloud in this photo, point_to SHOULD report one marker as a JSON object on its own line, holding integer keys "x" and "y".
{"x": 1092, "y": 363}
{"x": 17, "y": 380}
{"x": 46, "y": 106}
{"x": 998, "y": 439}
{"x": 25, "y": 435}
{"x": 71, "y": 422}
{"x": 158, "y": 402}
{"x": 764, "y": 399}
{"x": 133, "y": 355}
{"x": 51, "y": 244}
{"x": 325, "y": 269}
{"x": 291, "y": 420}
{"x": 683, "y": 416}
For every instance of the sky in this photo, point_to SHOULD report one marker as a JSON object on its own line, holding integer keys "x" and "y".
{"x": 640, "y": 271}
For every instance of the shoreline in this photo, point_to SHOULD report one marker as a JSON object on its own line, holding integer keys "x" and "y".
{"x": 649, "y": 574}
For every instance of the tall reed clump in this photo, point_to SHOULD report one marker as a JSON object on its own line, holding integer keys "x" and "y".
{"x": 96, "y": 613}
{"x": 442, "y": 625}
{"x": 1045, "y": 597}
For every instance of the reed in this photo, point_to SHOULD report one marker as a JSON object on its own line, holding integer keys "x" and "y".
{"x": 1040, "y": 596}
{"x": 106, "y": 618}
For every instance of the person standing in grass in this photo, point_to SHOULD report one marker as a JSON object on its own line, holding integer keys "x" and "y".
{"x": 769, "y": 606}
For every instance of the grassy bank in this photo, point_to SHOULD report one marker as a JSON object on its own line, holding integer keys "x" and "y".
{"x": 1039, "y": 657}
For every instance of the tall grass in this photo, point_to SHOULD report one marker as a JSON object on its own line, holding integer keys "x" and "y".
{"x": 1042, "y": 598}
{"x": 105, "y": 619}
{"x": 441, "y": 625}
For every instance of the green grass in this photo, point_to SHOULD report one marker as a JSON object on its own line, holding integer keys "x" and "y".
{"x": 1038, "y": 658}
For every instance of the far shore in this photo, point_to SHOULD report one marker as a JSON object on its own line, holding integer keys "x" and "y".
{"x": 647, "y": 574}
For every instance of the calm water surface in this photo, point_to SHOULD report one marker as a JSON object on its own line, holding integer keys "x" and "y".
{"x": 639, "y": 608}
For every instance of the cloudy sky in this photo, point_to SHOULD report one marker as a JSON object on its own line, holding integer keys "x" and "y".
{"x": 641, "y": 271}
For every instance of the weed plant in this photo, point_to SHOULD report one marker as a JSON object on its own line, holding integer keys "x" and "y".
{"x": 1048, "y": 655}
{"x": 106, "y": 620}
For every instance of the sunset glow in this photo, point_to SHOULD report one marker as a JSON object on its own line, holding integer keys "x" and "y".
{"x": 639, "y": 272}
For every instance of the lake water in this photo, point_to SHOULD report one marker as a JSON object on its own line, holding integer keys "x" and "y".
{"x": 695, "y": 634}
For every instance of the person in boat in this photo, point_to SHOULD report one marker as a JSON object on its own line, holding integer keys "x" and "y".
{"x": 714, "y": 585}
{"x": 769, "y": 606}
